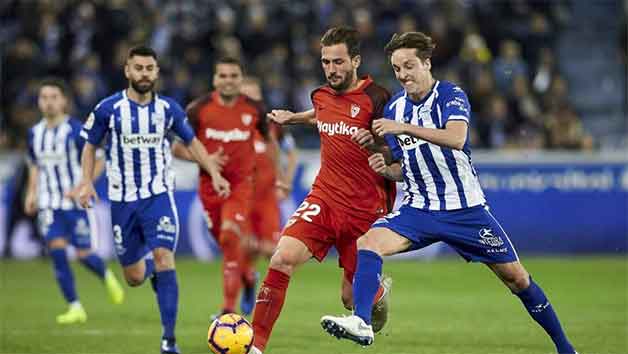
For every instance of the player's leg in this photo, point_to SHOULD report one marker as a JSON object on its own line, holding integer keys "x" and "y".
{"x": 52, "y": 225}
{"x": 82, "y": 238}
{"x": 160, "y": 226}
{"x": 517, "y": 279}
{"x": 290, "y": 253}
{"x": 232, "y": 257}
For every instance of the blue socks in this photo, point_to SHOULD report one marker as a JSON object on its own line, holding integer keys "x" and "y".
{"x": 542, "y": 312}
{"x": 63, "y": 273}
{"x": 95, "y": 264}
{"x": 167, "y": 290}
{"x": 366, "y": 283}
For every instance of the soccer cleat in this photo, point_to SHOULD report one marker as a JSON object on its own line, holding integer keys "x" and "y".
{"x": 254, "y": 350}
{"x": 379, "y": 314}
{"x": 76, "y": 314}
{"x": 115, "y": 290}
{"x": 169, "y": 346}
{"x": 351, "y": 327}
{"x": 247, "y": 301}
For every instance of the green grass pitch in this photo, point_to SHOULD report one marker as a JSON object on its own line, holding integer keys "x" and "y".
{"x": 445, "y": 306}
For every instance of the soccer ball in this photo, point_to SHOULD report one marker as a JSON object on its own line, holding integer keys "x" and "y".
{"x": 230, "y": 334}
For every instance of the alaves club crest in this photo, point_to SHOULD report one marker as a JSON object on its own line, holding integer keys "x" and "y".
{"x": 355, "y": 110}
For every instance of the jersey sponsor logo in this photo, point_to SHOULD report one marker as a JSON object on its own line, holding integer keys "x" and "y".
{"x": 136, "y": 141}
{"x": 247, "y": 118}
{"x": 338, "y": 128}
{"x": 459, "y": 104}
{"x": 408, "y": 142}
{"x": 355, "y": 110}
{"x": 227, "y": 136}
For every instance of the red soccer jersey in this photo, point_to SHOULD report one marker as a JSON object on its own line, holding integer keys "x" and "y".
{"x": 345, "y": 177}
{"x": 232, "y": 127}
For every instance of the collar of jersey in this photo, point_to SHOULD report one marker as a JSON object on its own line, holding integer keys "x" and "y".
{"x": 139, "y": 104}
{"x": 418, "y": 103}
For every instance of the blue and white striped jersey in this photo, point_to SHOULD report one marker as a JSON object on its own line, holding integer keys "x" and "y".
{"x": 137, "y": 145}
{"x": 436, "y": 178}
{"x": 57, "y": 154}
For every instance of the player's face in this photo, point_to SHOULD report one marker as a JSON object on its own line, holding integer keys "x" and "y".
{"x": 228, "y": 79}
{"x": 340, "y": 69}
{"x": 51, "y": 101}
{"x": 142, "y": 73}
{"x": 412, "y": 72}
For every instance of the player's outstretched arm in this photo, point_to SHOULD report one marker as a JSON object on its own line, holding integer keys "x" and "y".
{"x": 212, "y": 164}
{"x": 392, "y": 171}
{"x": 282, "y": 116}
{"x": 453, "y": 136}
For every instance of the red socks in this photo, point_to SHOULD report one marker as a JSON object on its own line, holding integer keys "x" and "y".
{"x": 231, "y": 277}
{"x": 268, "y": 306}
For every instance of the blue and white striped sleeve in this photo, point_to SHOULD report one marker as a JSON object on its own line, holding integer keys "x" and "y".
{"x": 391, "y": 140}
{"x": 31, "y": 149}
{"x": 95, "y": 126}
{"x": 456, "y": 106}
{"x": 180, "y": 123}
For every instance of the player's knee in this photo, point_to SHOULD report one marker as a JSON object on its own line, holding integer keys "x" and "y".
{"x": 57, "y": 243}
{"x": 283, "y": 261}
{"x": 368, "y": 242}
{"x": 134, "y": 278}
{"x": 516, "y": 279}
{"x": 164, "y": 259}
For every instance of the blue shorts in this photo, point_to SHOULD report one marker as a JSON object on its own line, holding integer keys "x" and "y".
{"x": 143, "y": 225}
{"x": 72, "y": 225}
{"x": 473, "y": 232}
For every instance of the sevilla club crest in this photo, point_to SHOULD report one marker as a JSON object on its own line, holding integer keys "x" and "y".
{"x": 247, "y": 118}
{"x": 355, "y": 110}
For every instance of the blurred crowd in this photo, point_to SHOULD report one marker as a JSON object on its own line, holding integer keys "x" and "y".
{"x": 501, "y": 52}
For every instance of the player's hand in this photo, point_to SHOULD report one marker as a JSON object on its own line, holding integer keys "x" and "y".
{"x": 221, "y": 185}
{"x": 219, "y": 158}
{"x": 86, "y": 194}
{"x": 30, "y": 204}
{"x": 280, "y": 116}
{"x": 386, "y": 126}
{"x": 378, "y": 164}
{"x": 364, "y": 138}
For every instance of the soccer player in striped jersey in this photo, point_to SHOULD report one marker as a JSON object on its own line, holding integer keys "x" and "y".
{"x": 426, "y": 129}
{"x": 138, "y": 124}
{"x": 54, "y": 151}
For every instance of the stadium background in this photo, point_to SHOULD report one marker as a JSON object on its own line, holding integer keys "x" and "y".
{"x": 546, "y": 80}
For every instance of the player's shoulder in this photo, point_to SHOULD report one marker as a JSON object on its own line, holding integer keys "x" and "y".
{"x": 398, "y": 97}
{"x": 199, "y": 102}
{"x": 447, "y": 89}
{"x": 40, "y": 125}
{"x": 107, "y": 103}
{"x": 255, "y": 104}
{"x": 377, "y": 93}
{"x": 75, "y": 123}
{"x": 169, "y": 103}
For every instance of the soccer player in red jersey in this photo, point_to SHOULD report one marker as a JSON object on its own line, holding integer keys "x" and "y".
{"x": 226, "y": 121}
{"x": 347, "y": 196}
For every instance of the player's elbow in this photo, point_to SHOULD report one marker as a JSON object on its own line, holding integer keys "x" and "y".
{"x": 458, "y": 143}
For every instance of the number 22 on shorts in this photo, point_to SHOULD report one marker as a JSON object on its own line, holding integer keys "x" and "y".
{"x": 306, "y": 211}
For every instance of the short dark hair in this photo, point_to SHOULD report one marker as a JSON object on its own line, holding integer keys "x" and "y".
{"x": 229, "y": 60}
{"x": 418, "y": 40}
{"x": 343, "y": 34}
{"x": 55, "y": 82}
{"x": 142, "y": 51}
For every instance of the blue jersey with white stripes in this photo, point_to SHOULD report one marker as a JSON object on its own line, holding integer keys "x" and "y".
{"x": 436, "y": 177}
{"x": 56, "y": 151}
{"x": 137, "y": 143}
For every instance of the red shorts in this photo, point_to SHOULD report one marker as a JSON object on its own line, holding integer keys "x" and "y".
{"x": 236, "y": 208}
{"x": 320, "y": 225}
{"x": 266, "y": 218}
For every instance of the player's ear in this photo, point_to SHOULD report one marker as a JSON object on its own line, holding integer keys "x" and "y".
{"x": 428, "y": 63}
{"x": 127, "y": 74}
{"x": 356, "y": 61}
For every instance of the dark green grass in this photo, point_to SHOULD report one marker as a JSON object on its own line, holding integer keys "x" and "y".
{"x": 444, "y": 306}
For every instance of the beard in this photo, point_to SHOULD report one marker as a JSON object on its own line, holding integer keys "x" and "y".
{"x": 142, "y": 86}
{"x": 344, "y": 84}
